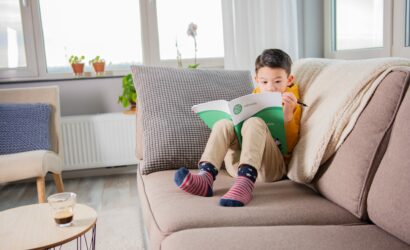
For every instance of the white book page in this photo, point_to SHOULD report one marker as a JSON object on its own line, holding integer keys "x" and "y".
{"x": 246, "y": 106}
{"x": 220, "y": 105}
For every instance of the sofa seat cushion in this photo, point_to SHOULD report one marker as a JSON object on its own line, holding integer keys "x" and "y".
{"x": 30, "y": 164}
{"x": 278, "y": 203}
{"x": 284, "y": 237}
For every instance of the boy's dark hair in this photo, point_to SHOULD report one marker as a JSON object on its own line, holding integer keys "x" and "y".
{"x": 274, "y": 58}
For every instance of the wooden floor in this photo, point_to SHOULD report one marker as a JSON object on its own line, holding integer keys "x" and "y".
{"x": 114, "y": 197}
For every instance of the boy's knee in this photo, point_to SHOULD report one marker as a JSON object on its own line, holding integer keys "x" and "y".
{"x": 224, "y": 124}
{"x": 253, "y": 122}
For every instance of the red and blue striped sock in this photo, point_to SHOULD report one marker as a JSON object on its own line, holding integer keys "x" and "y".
{"x": 240, "y": 193}
{"x": 197, "y": 184}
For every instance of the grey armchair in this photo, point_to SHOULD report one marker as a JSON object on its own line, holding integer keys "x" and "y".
{"x": 37, "y": 163}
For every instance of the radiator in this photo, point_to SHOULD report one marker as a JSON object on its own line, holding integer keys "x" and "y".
{"x": 101, "y": 140}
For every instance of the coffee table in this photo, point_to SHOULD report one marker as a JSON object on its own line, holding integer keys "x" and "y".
{"x": 33, "y": 227}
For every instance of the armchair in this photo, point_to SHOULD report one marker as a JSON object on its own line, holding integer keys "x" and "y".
{"x": 36, "y": 163}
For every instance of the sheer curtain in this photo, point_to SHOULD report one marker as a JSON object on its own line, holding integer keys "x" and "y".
{"x": 250, "y": 26}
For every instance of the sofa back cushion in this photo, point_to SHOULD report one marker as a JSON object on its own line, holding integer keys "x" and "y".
{"x": 389, "y": 195}
{"x": 173, "y": 135}
{"x": 346, "y": 177}
{"x": 24, "y": 127}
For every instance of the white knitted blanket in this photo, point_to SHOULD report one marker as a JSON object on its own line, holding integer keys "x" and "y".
{"x": 336, "y": 92}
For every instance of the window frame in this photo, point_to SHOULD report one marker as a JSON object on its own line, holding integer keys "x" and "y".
{"x": 31, "y": 68}
{"x": 329, "y": 36}
{"x": 401, "y": 9}
{"x": 36, "y": 69}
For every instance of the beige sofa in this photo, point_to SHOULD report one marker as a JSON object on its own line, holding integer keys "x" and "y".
{"x": 359, "y": 200}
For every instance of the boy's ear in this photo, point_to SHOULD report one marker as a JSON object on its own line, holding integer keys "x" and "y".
{"x": 290, "y": 80}
{"x": 255, "y": 79}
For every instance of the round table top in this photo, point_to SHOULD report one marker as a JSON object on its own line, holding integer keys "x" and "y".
{"x": 33, "y": 226}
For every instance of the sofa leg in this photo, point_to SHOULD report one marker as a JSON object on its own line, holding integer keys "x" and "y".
{"x": 59, "y": 182}
{"x": 41, "y": 189}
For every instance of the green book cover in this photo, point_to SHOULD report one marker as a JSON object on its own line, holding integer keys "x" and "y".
{"x": 267, "y": 106}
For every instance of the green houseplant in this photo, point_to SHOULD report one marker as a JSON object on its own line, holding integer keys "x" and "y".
{"x": 129, "y": 95}
{"x": 98, "y": 64}
{"x": 76, "y": 64}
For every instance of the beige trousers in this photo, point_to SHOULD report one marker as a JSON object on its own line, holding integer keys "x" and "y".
{"x": 258, "y": 149}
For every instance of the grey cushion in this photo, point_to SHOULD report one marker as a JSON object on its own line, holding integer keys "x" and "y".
{"x": 347, "y": 176}
{"x": 173, "y": 135}
{"x": 389, "y": 195}
{"x": 24, "y": 127}
{"x": 368, "y": 237}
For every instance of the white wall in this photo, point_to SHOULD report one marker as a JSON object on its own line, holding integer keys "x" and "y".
{"x": 311, "y": 28}
{"x": 78, "y": 97}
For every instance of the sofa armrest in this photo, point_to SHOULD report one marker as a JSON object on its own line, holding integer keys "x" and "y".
{"x": 139, "y": 145}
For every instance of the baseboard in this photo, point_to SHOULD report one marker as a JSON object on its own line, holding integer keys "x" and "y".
{"x": 117, "y": 170}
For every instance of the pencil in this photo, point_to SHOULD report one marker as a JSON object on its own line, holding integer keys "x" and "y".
{"x": 301, "y": 103}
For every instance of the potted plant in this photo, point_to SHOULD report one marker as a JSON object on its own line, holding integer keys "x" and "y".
{"x": 192, "y": 32}
{"x": 98, "y": 65}
{"x": 77, "y": 64}
{"x": 129, "y": 95}
{"x": 192, "y": 28}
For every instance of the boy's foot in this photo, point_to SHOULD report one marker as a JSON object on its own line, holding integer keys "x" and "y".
{"x": 197, "y": 184}
{"x": 240, "y": 193}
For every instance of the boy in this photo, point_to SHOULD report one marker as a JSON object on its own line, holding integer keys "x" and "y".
{"x": 259, "y": 157}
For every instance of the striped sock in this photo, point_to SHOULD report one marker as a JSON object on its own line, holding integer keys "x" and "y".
{"x": 240, "y": 193}
{"x": 197, "y": 184}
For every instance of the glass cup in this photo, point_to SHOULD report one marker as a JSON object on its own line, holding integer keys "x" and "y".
{"x": 62, "y": 205}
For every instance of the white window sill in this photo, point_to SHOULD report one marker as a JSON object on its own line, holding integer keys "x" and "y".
{"x": 203, "y": 64}
{"x": 65, "y": 77}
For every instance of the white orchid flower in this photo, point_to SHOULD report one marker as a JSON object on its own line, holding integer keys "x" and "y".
{"x": 192, "y": 27}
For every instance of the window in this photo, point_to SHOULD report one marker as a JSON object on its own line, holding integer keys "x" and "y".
{"x": 173, "y": 20}
{"x": 107, "y": 29}
{"x": 37, "y": 37}
{"x": 358, "y": 29}
{"x": 17, "y": 53}
{"x": 401, "y": 28}
{"x": 12, "y": 50}
{"x": 359, "y": 24}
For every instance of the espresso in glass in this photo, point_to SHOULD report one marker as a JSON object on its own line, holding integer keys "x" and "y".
{"x": 62, "y": 205}
{"x": 63, "y": 217}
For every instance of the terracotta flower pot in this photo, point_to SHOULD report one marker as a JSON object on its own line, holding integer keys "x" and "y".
{"x": 133, "y": 107}
{"x": 132, "y": 110}
{"x": 99, "y": 67}
{"x": 78, "y": 68}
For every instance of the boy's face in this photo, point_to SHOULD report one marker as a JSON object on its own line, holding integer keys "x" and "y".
{"x": 273, "y": 79}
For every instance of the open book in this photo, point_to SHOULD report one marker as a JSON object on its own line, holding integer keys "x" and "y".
{"x": 267, "y": 106}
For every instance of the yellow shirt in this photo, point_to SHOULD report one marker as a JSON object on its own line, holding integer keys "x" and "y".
{"x": 291, "y": 127}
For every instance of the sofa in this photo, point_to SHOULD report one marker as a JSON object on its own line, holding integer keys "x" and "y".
{"x": 359, "y": 199}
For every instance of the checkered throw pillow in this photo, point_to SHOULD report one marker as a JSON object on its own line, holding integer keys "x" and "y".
{"x": 174, "y": 136}
{"x": 24, "y": 127}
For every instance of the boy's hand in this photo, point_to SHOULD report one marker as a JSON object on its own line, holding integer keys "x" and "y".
{"x": 289, "y": 104}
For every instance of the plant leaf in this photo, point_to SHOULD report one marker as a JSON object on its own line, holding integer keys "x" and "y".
{"x": 193, "y": 66}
